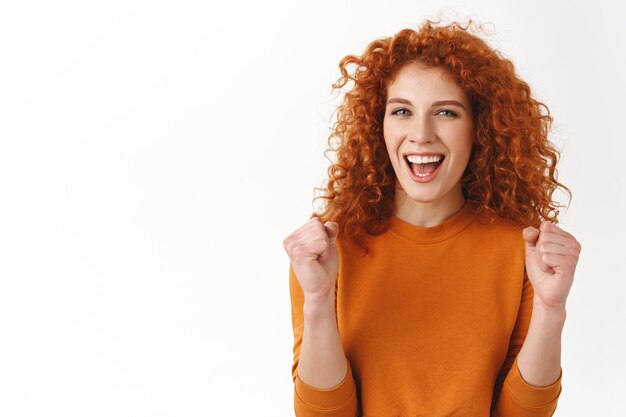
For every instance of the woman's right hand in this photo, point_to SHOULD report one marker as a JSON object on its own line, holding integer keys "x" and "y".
{"x": 312, "y": 250}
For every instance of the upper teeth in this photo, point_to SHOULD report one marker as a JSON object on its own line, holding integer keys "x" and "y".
{"x": 416, "y": 159}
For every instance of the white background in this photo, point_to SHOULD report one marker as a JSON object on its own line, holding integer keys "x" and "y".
{"x": 154, "y": 154}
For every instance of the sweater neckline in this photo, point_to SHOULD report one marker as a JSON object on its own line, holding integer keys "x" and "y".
{"x": 445, "y": 230}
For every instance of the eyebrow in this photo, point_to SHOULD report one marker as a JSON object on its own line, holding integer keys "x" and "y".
{"x": 436, "y": 103}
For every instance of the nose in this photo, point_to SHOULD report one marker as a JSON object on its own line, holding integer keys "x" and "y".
{"x": 421, "y": 131}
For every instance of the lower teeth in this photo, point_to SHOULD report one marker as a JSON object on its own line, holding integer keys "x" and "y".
{"x": 419, "y": 175}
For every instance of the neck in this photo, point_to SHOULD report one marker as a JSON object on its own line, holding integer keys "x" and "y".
{"x": 426, "y": 214}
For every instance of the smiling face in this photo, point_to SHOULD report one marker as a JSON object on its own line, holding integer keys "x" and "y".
{"x": 428, "y": 113}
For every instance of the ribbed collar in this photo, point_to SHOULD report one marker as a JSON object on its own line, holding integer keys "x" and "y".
{"x": 450, "y": 227}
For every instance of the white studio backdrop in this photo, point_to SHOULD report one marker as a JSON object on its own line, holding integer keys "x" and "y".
{"x": 154, "y": 154}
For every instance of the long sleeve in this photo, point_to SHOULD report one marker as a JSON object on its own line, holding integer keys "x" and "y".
{"x": 338, "y": 401}
{"x": 514, "y": 397}
{"x": 431, "y": 321}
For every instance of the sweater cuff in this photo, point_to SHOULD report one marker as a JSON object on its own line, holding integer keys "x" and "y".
{"x": 531, "y": 395}
{"x": 327, "y": 398}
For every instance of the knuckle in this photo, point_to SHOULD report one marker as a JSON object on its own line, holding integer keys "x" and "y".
{"x": 297, "y": 251}
{"x": 321, "y": 242}
{"x": 289, "y": 251}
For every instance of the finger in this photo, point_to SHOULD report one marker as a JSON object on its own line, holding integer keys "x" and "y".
{"x": 531, "y": 234}
{"x": 549, "y": 237}
{"x": 310, "y": 231}
{"x": 542, "y": 264}
{"x": 315, "y": 231}
{"x": 311, "y": 224}
{"x": 553, "y": 228}
{"x": 305, "y": 253}
{"x": 330, "y": 231}
{"x": 557, "y": 261}
{"x": 557, "y": 239}
{"x": 550, "y": 247}
{"x": 307, "y": 225}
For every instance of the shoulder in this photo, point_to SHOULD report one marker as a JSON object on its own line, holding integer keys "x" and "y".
{"x": 499, "y": 232}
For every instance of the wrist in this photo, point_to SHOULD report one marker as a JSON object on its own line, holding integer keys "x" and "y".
{"x": 549, "y": 314}
{"x": 316, "y": 304}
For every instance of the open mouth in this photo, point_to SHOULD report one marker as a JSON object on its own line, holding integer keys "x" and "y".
{"x": 422, "y": 167}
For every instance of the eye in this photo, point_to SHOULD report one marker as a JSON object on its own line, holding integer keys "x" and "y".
{"x": 397, "y": 112}
{"x": 450, "y": 112}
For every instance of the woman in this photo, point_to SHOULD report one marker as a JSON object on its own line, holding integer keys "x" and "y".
{"x": 434, "y": 282}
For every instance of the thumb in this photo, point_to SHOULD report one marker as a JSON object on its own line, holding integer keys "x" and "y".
{"x": 531, "y": 235}
{"x": 332, "y": 229}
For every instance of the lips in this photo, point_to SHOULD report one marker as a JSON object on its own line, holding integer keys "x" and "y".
{"x": 428, "y": 177}
{"x": 406, "y": 159}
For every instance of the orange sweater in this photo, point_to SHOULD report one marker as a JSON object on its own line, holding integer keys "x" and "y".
{"x": 431, "y": 321}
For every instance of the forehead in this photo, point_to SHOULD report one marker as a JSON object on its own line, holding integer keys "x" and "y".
{"x": 419, "y": 79}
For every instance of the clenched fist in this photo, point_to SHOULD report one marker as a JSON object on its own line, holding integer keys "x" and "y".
{"x": 312, "y": 250}
{"x": 551, "y": 259}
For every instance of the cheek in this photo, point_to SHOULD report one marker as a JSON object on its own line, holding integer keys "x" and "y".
{"x": 463, "y": 157}
{"x": 461, "y": 153}
{"x": 467, "y": 149}
{"x": 390, "y": 137}
{"x": 463, "y": 144}
{"x": 391, "y": 134}
{"x": 386, "y": 131}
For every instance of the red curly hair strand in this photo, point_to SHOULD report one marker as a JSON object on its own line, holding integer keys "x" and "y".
{"x": 512, "y": 170}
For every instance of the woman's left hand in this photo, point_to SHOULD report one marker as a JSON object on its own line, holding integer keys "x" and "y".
{"x": 551, "y": 258}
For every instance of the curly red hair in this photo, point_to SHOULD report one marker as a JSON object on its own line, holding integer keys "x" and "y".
{"x": 512, "y": 170}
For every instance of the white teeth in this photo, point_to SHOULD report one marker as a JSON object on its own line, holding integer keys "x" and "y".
{"x": 416, "y": 159}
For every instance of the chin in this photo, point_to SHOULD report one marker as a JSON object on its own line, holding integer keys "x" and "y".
{"x": 421, "y": 197}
